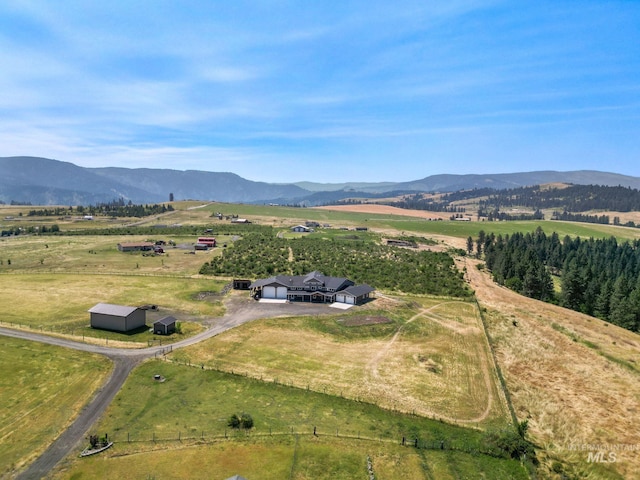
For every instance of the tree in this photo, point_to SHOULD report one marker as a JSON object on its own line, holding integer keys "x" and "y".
{"x": 171, "y": 197}
{"x": 469, "y": 245}
{"x": 234, "y": 421}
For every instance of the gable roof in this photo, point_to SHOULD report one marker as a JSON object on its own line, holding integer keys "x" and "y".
{"x": 302, "y": 281}
{"x": 166, "y": 321}
{"x": 114, "y": 310}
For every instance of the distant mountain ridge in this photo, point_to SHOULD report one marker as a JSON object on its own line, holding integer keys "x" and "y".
{"x": 42, "y": 181}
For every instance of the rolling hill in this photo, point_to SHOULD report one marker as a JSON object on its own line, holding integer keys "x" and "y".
{"x": 42, "y": 181}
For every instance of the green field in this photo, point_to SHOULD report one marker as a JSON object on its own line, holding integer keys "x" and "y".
{"x": 282, "y": 442}
{"x": 42, "y": 389}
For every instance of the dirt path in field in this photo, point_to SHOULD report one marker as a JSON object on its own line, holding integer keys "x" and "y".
{"x": 374, "y": 363}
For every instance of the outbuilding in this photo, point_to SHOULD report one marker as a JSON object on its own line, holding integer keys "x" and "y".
{"x": 164, "y": 326}
{"x": 117, "y": 318}
{"x": 136, "y": 246}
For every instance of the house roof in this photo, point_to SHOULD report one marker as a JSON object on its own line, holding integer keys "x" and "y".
{"x": 358, "y": 290}
{"x": 313, "y": 278}
{"x": 110, "y": 309}
{"x": 166, "y": 321}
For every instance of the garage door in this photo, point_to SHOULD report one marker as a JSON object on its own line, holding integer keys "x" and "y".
{"x": 269, "y": 292}
{"x": 281, "y": 292}
{"x": 350, "y": 300}
{"x": 340, "y": 298}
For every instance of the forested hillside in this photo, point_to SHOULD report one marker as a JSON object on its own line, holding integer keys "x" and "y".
{"x": 598, "y": 277}
{"x": 570, "y": 198}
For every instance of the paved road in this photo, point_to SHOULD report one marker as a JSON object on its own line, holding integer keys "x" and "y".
{"x": 239, "y": 311}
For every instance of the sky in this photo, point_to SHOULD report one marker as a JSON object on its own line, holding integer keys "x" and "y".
{"x": 323, "y": 91}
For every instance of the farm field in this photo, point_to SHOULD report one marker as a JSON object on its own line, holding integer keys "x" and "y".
{"x": 58, "y": 302}
{"x": 415, "y": 359}
{"x": 97, "y": 254}
{"x": 447, "y": 371}
{"x": 43, "y": 388}
{"x": 282, "y": 441}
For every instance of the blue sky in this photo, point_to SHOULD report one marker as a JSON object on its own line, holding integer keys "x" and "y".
{"x": 284, "y": 91}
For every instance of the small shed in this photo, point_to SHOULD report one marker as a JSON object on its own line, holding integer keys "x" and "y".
{"x": 118, "y": 318}
{"x": 241, "y": 284}
{"x": 164, "y": 326}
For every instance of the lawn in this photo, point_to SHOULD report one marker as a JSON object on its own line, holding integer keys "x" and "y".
{"x": 43, "y": 388}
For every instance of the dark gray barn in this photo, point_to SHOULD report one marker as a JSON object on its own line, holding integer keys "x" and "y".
{"x": 164, "y": 326}
{"x": 118, "y": 318}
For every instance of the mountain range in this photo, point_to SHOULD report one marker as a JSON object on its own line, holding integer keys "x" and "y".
{"x": 42, "y": 181}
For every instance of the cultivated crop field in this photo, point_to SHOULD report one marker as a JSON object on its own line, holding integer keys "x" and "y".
{"x": 43, "y": 388}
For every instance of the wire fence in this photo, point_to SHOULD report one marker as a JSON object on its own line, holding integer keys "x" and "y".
{"x": 295, "y": 432}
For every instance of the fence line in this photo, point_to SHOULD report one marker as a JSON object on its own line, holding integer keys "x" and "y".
{"x": 229, "y": 434}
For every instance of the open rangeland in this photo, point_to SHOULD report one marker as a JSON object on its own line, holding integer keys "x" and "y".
{"x": 575, "y": 378}
{"x": 42, "y": 389}
{"x": 178, "y": 427}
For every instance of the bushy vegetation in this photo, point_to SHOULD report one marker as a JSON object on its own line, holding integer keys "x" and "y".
{"x": 383, "y": 267}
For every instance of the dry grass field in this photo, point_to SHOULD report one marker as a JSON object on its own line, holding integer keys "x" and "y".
{"x": 434, "y": 362}
{"x": 575, "y": 378}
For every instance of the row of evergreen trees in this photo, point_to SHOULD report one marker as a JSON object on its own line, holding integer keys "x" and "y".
{"x": 598, "y": 277}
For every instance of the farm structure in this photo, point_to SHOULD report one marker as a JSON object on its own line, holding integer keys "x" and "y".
{"x": 241, "y": 284}
{"x": 313, "y": 287}
{"x": 164, "y": 326}
{"x": 136, "y": 246}
{"x": 118, "y": 318}
{"x": 210, "y": 242}
{"x": 301, "y": 229}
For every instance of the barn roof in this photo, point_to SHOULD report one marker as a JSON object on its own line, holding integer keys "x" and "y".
{"x": 110, "y": 309}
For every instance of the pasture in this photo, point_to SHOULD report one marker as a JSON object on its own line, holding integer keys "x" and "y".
{"x": 430, "y": 360}
{"x": 43, "y": 388}
{"x": 51, "y": 302}
{"x": 187, "y": 414}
